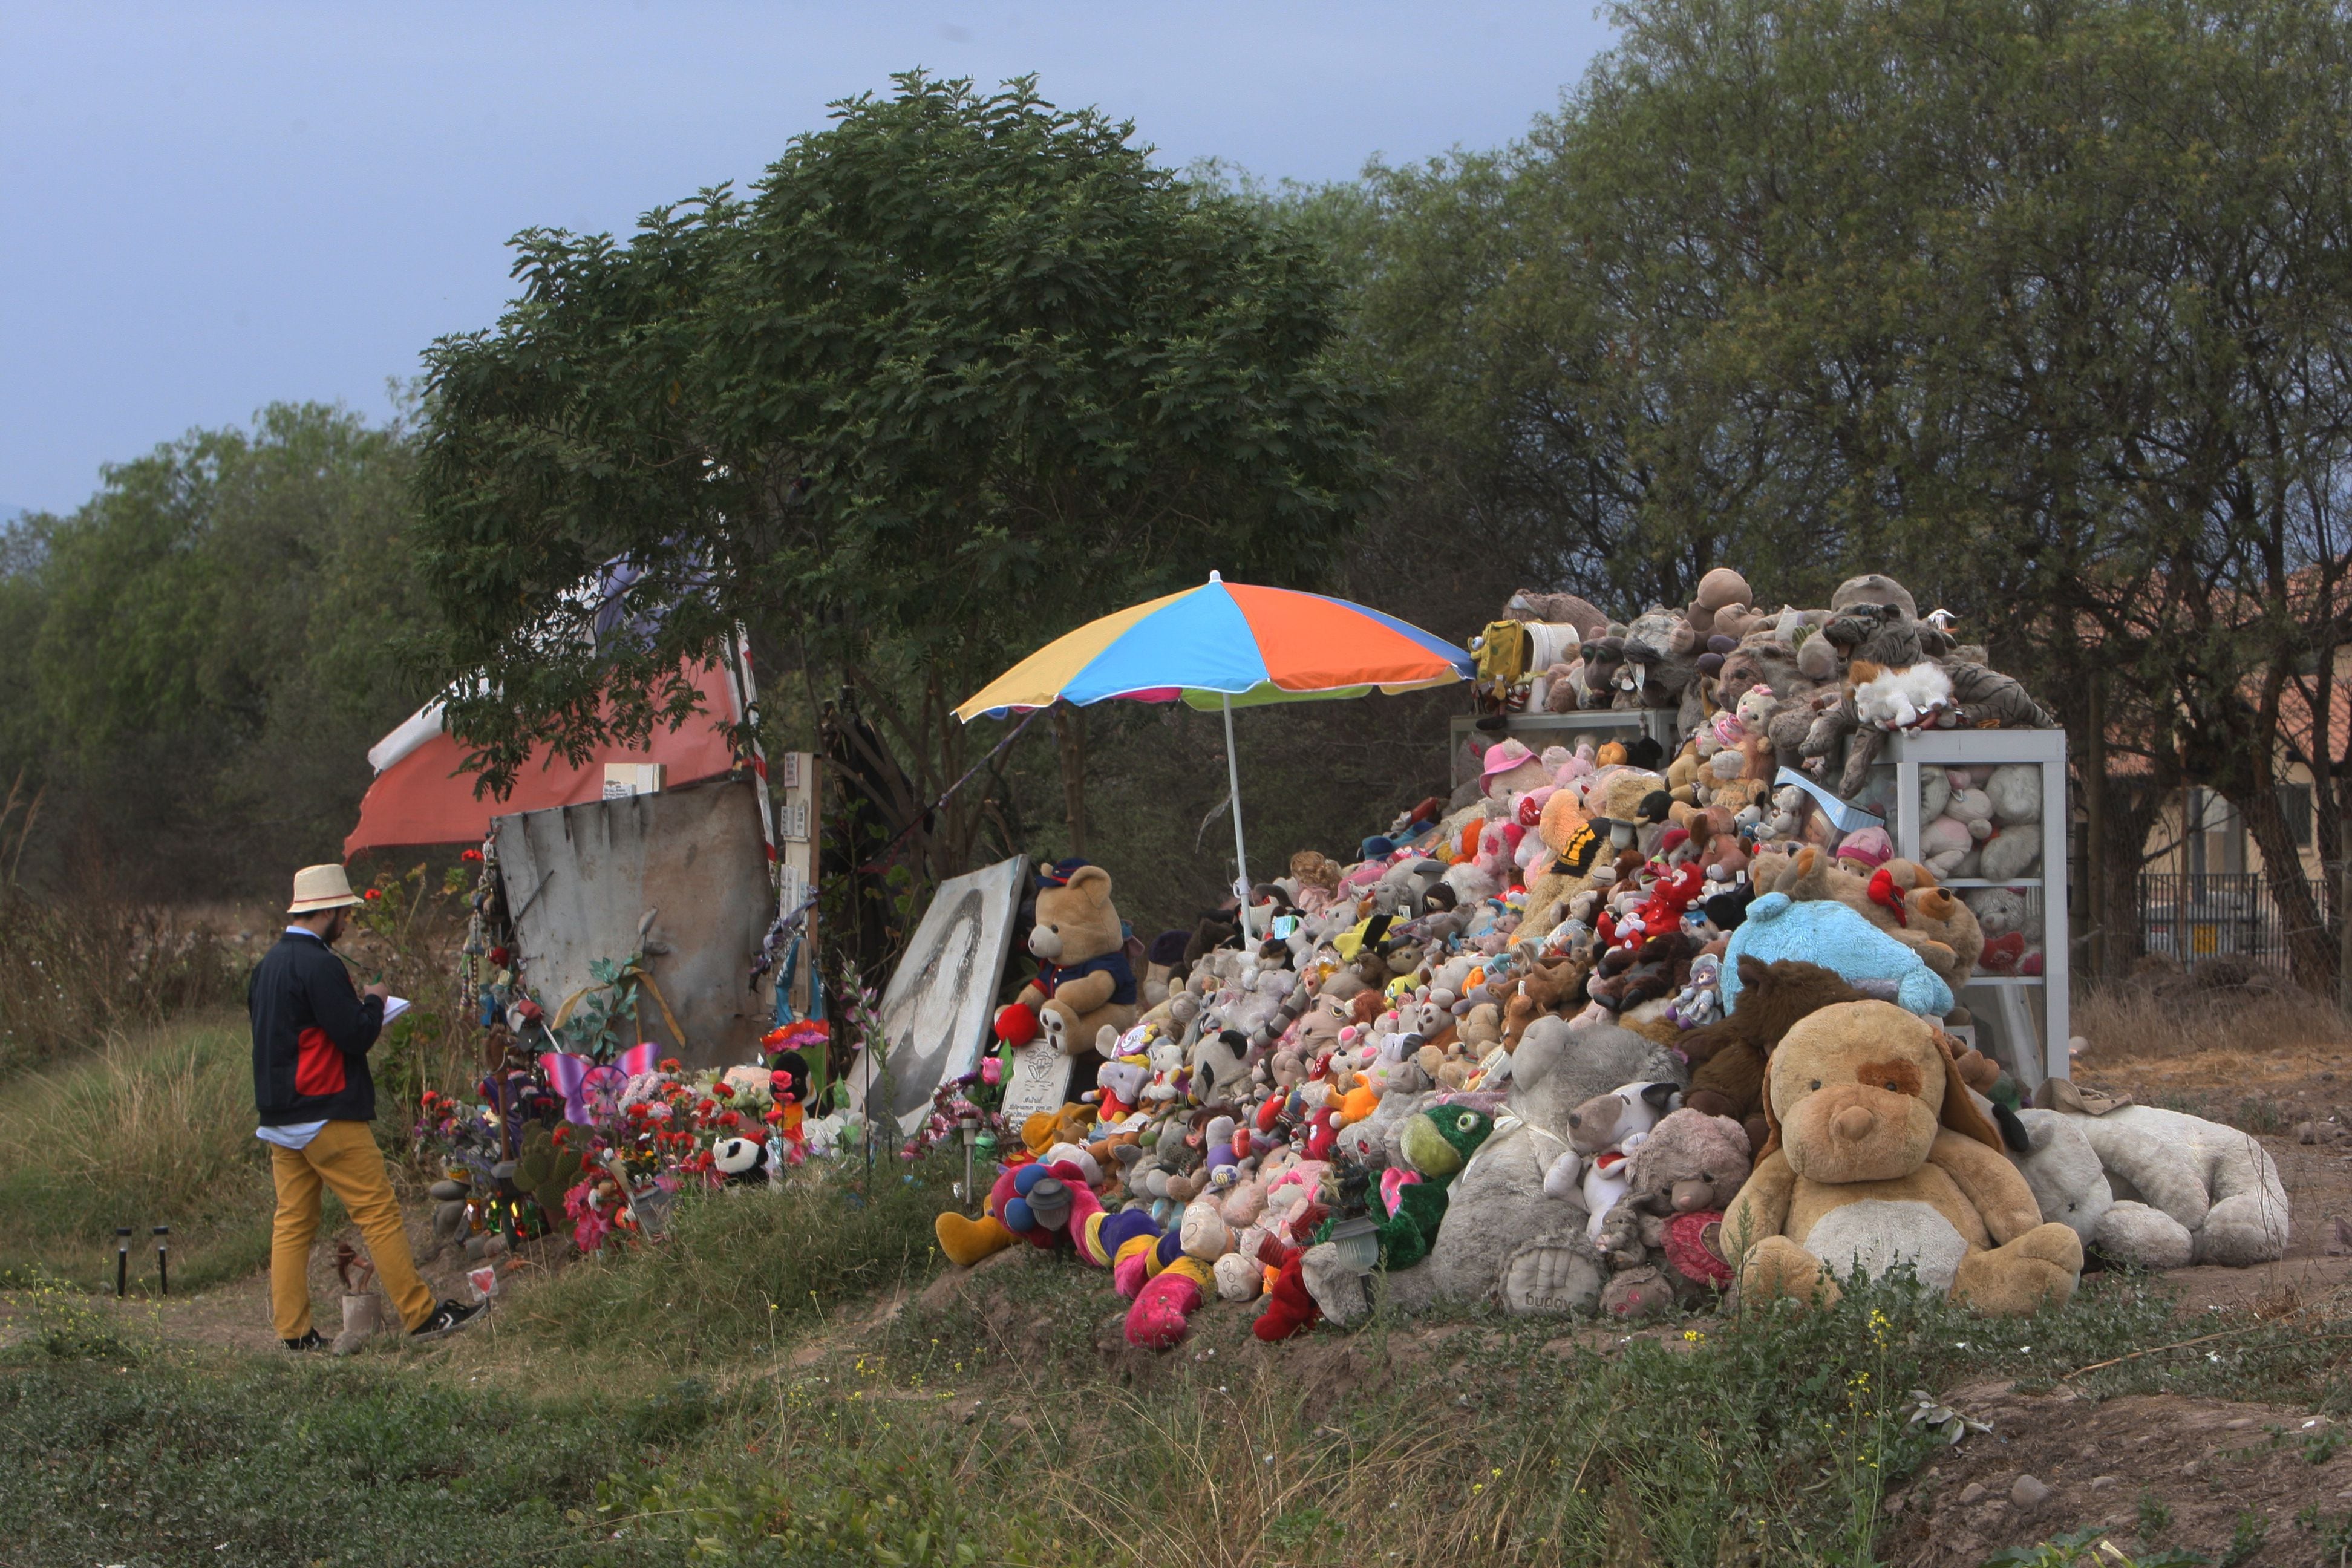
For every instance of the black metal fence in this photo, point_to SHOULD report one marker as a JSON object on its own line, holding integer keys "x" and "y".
{"x": 2189, "y": 918}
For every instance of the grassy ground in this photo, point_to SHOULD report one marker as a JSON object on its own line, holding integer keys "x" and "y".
{"x": 1006, "y": 1426}
{"x": 792, "y": 1379}
{"x": 151, "y": 1128}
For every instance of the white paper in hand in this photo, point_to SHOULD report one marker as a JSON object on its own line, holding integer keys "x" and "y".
{"x": 393, "y": 1007}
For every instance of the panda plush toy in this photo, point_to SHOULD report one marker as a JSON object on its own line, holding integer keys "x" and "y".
{"x": 742, "y": 1161}
{"x": 789, "y": 1072}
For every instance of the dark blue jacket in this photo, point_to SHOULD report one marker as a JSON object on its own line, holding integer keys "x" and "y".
{"x": 312, "y": 1031}
{"x": 1052, "y": 977}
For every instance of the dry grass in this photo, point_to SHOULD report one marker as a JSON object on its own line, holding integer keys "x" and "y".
{"x": 2131, "y": 1022}
{"x": 71, "y": 974}
{"x": 153, "y": 1127}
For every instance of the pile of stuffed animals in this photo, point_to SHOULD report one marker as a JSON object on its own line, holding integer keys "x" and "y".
{"x": 1610, "y": 1030}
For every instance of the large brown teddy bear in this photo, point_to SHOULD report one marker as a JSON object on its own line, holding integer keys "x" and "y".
{"x": 1572, "y": 866}
{"x": 1878, "y": 1158}
{"x": 1084, "y": 980}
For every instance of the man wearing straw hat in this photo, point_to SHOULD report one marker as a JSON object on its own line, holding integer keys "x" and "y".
{"x": 312, "y": 1032}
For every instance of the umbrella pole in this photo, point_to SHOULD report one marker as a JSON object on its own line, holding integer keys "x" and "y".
{"x": 1241, "y": 856}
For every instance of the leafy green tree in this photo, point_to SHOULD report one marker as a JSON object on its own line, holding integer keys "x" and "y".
{"x": 206, "y": 649}
{"x": 2038, "y": 307}
{"x": 962, "y": 372}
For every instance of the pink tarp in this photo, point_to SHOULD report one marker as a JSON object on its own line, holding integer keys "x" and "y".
{"x": 420, "y": 797}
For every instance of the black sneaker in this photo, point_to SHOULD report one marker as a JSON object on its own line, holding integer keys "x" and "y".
{"x": 309, "y": 1342}
{"x": 447, "y": 1319}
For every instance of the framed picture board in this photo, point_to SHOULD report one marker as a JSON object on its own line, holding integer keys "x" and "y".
{"x": 937, "y": 1010}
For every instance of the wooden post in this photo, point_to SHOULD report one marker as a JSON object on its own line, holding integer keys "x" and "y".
{"x": 2343, "y": 870}
{"x": 2095, "y": 825}
{"x": 799, "y": 816}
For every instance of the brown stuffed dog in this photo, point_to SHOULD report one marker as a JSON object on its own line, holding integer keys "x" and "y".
{"x": 1878, "y": 1159}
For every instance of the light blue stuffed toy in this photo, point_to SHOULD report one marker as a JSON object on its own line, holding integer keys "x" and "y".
{"x": 1824, "y": 932}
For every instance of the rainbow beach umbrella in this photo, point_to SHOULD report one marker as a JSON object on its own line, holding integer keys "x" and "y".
{"x": 1224, "y": 645}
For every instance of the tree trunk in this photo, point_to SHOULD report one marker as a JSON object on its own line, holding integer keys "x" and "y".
{"x": 1070, "y": 736}
{"x": 2309, "y": 948}
{"x": 2132, "y": 813}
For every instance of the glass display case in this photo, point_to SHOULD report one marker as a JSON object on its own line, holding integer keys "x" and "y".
{"x": 1986, "y": 811}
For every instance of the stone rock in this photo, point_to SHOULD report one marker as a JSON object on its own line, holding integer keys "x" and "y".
{"x": 2028, "y": 1493}
{"x": 2101, "y": 1483}
{"x": 1973, "y": 1493}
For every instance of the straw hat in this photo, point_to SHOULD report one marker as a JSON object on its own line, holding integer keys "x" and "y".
{"x": 318, "y": 887}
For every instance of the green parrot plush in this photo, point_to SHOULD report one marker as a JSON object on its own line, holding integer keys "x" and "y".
{"x": 1436, "y": 1142}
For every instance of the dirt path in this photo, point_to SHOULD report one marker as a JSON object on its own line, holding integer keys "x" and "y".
{"x": 237, "y": 1316}
{"x": 2251, "y": 1484}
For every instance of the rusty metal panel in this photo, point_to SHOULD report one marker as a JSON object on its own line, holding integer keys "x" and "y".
{"x": 579, "y": 879}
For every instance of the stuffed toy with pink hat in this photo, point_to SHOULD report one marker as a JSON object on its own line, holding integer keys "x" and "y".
{"x": 1510, "y": 768}
{"x": 1865, "y": 849}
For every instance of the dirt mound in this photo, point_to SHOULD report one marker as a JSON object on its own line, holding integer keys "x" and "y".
{"x": 2238, "y": 1483}
{"x": 2227, "y": 976}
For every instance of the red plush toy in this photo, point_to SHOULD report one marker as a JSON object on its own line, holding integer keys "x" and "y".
{"x": 1016, "y": 1024}
{"x": 1289, "y": 1310}
{"x": 1661, "y": 913}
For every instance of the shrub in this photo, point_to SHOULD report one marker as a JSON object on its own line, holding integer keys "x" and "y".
{"x": 2128, "y": 1021}
{"x": 73, "y": 973}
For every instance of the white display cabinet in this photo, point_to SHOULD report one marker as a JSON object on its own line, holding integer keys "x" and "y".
{"x": 2021, "y": 1020}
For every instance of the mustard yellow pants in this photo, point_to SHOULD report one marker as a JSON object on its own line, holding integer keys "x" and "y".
{"x": 344, "y": 1157}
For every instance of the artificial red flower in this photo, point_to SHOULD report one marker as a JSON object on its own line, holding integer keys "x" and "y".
{"x": 730, "y": 1119}
{"x": 667, "y": 1064}
{"x": 471, "y": 856}
{"x": 723, "y": 1090}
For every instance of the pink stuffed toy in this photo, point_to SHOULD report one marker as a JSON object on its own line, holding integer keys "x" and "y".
{"x": 1163, "y": 1309}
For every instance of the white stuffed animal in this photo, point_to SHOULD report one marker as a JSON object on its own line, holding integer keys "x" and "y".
{"x": 1604, "y": 1131}
{"x": 2218, "y": 1182}
{"x": 2015, "y": 791}
{"x": 2072, "y": 1186}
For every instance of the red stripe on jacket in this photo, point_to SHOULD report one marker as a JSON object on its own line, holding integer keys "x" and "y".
{"x": 319, "y": 1068}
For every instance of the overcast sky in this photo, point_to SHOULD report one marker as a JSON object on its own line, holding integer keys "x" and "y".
{"x": 208, "y": 207}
